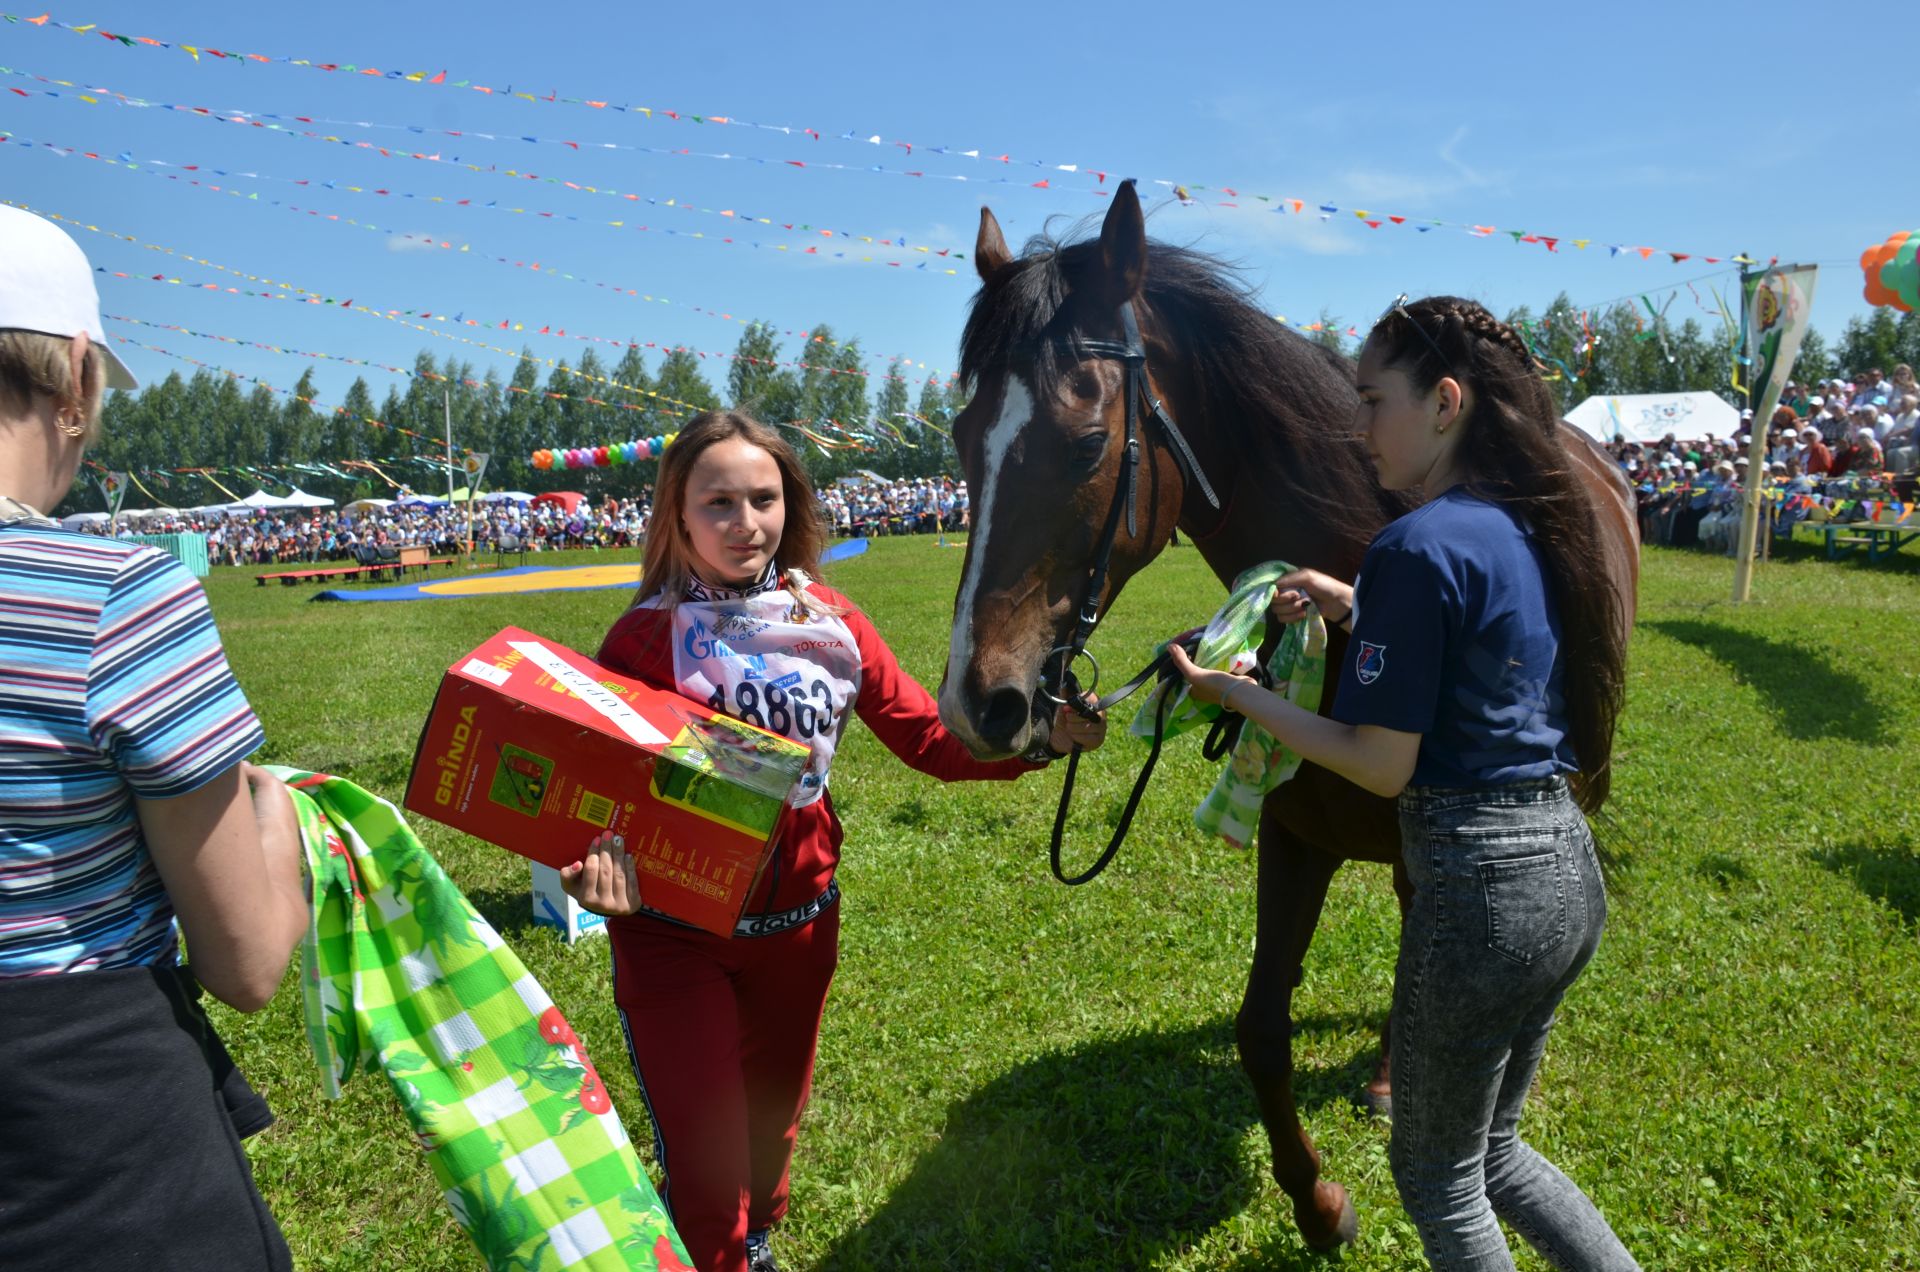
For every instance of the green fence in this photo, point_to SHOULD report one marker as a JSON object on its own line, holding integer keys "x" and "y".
{"x": 188, "y": 549}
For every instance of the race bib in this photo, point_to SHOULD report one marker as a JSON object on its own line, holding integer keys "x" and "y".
{"x": 759, "y": 659}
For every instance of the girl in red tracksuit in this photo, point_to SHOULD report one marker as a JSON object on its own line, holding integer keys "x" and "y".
{"x": 723, "y": 1031}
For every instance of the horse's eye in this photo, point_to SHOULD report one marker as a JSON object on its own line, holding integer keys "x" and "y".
{"x": 1088, "y": 448}
{"x": 1085, "y": 384}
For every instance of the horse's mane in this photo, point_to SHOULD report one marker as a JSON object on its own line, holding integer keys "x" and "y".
{"x": 1281, "y": 402}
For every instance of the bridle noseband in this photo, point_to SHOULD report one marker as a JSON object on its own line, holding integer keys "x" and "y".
{"x": 1057, "y": 682}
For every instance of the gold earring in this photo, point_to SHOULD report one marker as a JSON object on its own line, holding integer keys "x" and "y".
{"x": 70, "y": 422}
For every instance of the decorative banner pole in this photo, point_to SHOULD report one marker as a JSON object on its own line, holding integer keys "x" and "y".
{"x": 1777, "y": 306}
{"x": 446, "y": 398}
{"x": 476, "y": 465}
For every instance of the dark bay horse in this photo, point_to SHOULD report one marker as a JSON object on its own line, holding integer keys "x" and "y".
{"x": 1044, "y": 443}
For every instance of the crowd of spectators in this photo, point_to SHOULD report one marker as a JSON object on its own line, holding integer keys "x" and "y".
{"x": 1830, "y": 442}
{"x": 875, "y": 506}
{"x": 865, "y": 506}
{"x": 308, "y": 536}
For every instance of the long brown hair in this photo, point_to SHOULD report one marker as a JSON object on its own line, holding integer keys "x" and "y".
{"x": 668, "y": 563}
{"x": 1512, "y": 454}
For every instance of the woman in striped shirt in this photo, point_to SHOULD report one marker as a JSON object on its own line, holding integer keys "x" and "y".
{"x": 125, "y": 804}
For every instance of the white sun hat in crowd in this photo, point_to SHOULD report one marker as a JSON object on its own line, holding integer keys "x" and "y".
{"x": 46, "y": 286}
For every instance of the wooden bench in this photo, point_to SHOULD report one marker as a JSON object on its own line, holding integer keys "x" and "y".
{"x": 288, "y": 578}
{"x": 1879, "y": 539}
{"x": 397, "y": 568}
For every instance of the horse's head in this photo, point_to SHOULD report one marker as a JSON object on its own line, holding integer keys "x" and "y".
{"x": 1044, "y": 445}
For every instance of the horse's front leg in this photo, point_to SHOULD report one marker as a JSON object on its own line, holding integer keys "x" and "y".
{"x": 1293, "y": 885}
{"x": 1377, "y": 1096}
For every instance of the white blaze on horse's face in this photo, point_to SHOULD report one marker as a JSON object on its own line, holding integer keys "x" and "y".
{"x": 1016, "y": 412}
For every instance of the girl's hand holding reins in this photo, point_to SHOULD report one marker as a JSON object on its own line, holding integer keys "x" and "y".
{"x": 1303, "y": 590}
{"x": 1212, "y": 686}
{"x": 1071, "y": 729}
{"x": 603, "y": 881}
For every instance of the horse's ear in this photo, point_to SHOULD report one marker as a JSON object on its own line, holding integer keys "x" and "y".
{"x": 990, "y": 255}
{"x": 1123, "y": 246}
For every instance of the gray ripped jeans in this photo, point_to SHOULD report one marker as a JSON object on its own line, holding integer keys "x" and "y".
{"x": 1507, "y": 910}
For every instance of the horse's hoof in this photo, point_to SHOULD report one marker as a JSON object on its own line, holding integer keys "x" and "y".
{"x": 1377, "y": 1103}
{"x": 1321, "y": 1235}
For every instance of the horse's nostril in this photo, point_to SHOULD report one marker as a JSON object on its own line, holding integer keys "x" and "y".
{"x": 1005, "y": 714}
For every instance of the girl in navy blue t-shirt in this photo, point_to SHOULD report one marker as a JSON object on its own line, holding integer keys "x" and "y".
{"x": 1485, "y": 673}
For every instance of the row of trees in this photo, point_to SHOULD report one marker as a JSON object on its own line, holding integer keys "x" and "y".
{"x": 1629, "y": 349}
{"x": 253, "y": 434}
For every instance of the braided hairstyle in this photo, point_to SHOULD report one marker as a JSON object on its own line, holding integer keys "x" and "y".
{"x": 1512, "y": 454}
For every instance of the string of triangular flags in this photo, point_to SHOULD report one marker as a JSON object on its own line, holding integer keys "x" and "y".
{"x": 438, "y": 378}
{"x": 1183, "y": 191}
{"x": 848, "y": 439}
{"x": 127, "y": 162}
{"x": 1817, "y": 506}
{"x": 377, "y": 423}
{"x": 809, "y": 336}
{"x": 248, "y": 119}
{"x": 264, "y": 475}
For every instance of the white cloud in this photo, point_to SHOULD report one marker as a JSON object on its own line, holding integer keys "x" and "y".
{"x": 1450, "y": 156}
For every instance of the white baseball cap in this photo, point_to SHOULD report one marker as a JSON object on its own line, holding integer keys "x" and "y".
{"x": 46, "y": 285}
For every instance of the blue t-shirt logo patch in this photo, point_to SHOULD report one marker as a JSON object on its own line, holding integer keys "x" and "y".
{"x": 1371, "y": 661}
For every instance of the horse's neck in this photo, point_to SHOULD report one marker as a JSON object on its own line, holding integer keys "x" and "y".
{"x": 1264, "y": 517}
{"x": 1258, "y": 527}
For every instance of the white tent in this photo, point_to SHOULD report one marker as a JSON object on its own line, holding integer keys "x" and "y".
{"x": 360, "y": 506}
{"x": 1648, "y": 417}
{"x": 506, "y": 496}
{"x": 420, "y": 501}
{"x": 298, "y": 498}
{"x": 260, "y": 501}
{"x": 79, "y": 519}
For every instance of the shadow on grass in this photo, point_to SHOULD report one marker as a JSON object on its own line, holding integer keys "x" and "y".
{"x": 1110, "y": 1155}
{"x": 1720, "y": 869}
{"x": 1812, "y": 698}
{"x": 510, "y": 910}
{"x": 1889, "y": 875}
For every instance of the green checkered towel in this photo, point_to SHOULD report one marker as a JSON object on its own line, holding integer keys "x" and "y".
{"x": 1298, "y": 669}
{"x": 399, "y": 973}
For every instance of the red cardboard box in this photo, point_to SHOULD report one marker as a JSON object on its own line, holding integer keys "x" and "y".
{"x": 537, "y": 748}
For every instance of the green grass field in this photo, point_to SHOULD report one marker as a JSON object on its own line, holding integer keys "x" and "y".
{"x": 1018, "y": 1075}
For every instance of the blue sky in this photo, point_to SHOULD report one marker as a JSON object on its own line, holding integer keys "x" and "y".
{"x": 1690, "y": 128}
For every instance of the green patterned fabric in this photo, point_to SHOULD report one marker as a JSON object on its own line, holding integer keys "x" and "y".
{"x": 400, "y": 974}
{"x": 1231, "y": 641}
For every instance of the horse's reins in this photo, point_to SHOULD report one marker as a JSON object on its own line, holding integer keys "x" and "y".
{"x": 1062, "y": 688}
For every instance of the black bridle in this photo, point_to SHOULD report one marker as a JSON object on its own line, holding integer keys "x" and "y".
{"x": 1057, "y": 681}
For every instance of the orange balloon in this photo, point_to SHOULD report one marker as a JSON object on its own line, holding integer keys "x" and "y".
{"x": 1876, "y": 255}
{"x": 1870, "y": 264}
